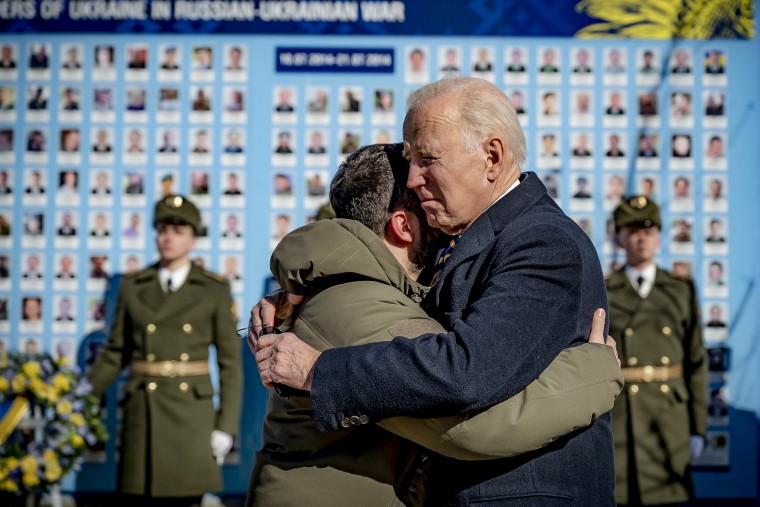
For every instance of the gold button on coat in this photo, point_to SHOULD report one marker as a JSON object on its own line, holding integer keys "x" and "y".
{"x": 666, "y": 331}
{"x": 633, "y": 361}
{"x": 664, "y": 388}
{"x": 355, "y": 420}
{"x": 187, "y": 328}
{"x": 184, "y": 356}
{"x": 184, "y": 387}
{"x": 345, "y": 422}
{"x": 634, "y": 389}
{"x": 364, "y": 419}
{"x": 150, "y": 358}
{"x": 152, "y": 386}
{"x": 665, "y": 360}
{"x": 150, "y": 328}
{"x": 628, "y": 332}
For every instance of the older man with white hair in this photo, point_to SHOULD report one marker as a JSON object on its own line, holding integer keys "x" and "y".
{"x": 516, "y": 286}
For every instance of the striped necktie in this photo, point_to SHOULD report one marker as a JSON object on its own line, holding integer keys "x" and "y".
{"x": 447, "y": 253}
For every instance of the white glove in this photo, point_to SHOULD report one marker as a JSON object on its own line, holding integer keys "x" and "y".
{"x": 221, "y": 443}
{"x": 697, "y": 444}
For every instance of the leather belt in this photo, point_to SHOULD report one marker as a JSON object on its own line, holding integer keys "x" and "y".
{"x": 653, "y": 373}
{"x": 170, "y": 368}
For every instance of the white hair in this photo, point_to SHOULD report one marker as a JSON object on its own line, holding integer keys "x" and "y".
{"x": 483, "y": 111}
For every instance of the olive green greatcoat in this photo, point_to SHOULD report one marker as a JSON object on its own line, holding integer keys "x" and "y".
{"x": 364, "y": 295}
{"x": 654, "y": 420}
{"x": 167, "y": 422}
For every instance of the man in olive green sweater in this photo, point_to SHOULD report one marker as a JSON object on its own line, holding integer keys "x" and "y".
{"x": 374, "y": 260}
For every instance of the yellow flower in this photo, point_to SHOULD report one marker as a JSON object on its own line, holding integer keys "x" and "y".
{"x": 63, "y": 361}
{"x": 30, "y": 479}
{"x": 8, "y": 485}
{"x": 28, "y": 464}
{"x": 38, "y": 387}
{"x": 4, "y": 384}
{"x": 12, "y": 463}
{"x": 52, "y": 394}
{"x": 52, "y": 473}
{"x": 31, "y": 369}
{"x": 77, "y": 419}
{"x": 77, "y": 441}
{"x": 18, "y": 383}
{"x": 50, "y": 456}
{"x": 61, "y": 382}
{"x": 63, "y": 407}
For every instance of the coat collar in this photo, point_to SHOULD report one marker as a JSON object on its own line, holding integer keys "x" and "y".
{"x": 494, "y": 220}
{"x": 164, "y": 306}
{"x": 630, "y": 300}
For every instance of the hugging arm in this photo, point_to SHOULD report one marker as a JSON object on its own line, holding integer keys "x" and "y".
{"x": 578, "y": 386}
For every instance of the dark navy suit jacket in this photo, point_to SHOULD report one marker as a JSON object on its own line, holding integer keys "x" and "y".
{"x": 521, "y": 285}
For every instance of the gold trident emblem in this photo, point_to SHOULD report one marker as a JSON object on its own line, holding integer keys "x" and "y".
{"x": 174, "y": 201}
{"x": 639, "y": 202}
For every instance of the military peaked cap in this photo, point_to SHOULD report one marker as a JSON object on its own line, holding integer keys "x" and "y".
{"x": 639, "y": 211}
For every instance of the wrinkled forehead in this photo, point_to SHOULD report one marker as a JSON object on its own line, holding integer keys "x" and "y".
{"x": 428, "y": 122}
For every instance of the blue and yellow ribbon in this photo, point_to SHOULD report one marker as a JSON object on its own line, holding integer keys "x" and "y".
{"x": 13, "y": 417}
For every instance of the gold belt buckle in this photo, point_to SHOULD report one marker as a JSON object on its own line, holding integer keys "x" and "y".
{"x": 648, "y": 373}
{"x": 167, "y": 369}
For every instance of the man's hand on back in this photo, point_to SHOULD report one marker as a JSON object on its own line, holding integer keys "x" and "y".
{"x": 271, "y": 311}
{"x": 285, "y": 359}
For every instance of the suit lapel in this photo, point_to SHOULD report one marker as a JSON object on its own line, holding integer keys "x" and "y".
{"x": 628, "y": 301}
{"x": 470, "y": 245}
{"x": 150, "y": 292}
{"x": 661, "y": 295}
{"x": 488, "y": 225}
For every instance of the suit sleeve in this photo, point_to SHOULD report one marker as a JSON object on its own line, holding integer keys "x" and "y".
{"x": 578, "y": 386}
{"x": 228, "y": 355}
{"x": 524, "y": 313}
{"x": 116, "y": 353}
{"x": 695, "y": 369}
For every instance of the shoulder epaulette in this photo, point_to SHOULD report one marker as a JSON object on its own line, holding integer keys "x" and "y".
{"x": 679, "y": 278}
{"x": 686, "y": 279}
{"x": 146, "y": 274}
{"x": 214, "y": 276}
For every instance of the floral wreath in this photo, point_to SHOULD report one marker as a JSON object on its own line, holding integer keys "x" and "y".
{"x": 70, "y": 421}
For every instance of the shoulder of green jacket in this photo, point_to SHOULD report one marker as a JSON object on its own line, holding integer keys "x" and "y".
{"x": 215, "y": 277}
{"x": 677, "y": 279}
{"x": 141, "y": 276}
{"x": 615, "y": 279}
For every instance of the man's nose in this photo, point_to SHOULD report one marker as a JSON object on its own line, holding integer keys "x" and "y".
{"x": 415, "y": 178}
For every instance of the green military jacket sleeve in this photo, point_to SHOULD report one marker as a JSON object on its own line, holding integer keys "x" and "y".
{"x": 578, "y": 386}
{"x": 116, "y": 353}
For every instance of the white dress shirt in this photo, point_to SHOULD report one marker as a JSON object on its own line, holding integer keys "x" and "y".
{"x": 647, "y": 276}
{"x": 178, "y": 277}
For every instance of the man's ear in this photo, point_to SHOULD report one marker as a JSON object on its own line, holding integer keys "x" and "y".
{"x": 495, "y": 154}
{"x": 399, "y": 231}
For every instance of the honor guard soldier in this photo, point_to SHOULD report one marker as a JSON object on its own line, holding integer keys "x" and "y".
{"x": 166, "y": 317}
{"x": 660, "y": 418}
